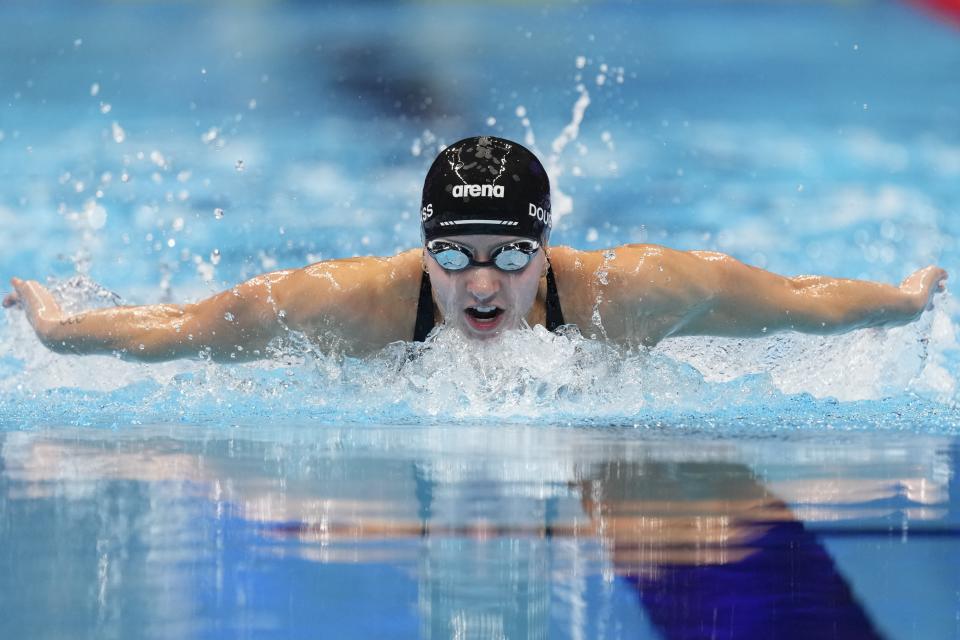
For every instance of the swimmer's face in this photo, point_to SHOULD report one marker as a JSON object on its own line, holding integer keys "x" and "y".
{"x": 485, "y": 301}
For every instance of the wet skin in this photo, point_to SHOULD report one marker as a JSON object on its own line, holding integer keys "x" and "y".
{"x": 633, "y": 294}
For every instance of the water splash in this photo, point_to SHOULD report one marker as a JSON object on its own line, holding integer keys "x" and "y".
{"x": 529, "y": 376}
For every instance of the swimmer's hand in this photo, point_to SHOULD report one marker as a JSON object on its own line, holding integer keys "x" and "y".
{"x": 43, "y": 311}
{"x": 922, "y": 284}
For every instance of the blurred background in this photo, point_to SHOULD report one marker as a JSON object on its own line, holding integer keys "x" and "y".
{"x": 168, "y": 149}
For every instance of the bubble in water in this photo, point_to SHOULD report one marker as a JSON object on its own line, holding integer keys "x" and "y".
{"x": 592, "y": 235}
{"x": 491, "y": 121}
{"x": 96, "y": 214}
{"x": 229, "y": 317}
{"x": 252, "y": 104}
{"x": 105, "y": 107}
{"x": 215, "y": 257}
{"x": 218, "y": 213}
{"x": 210, "y": 135}
{"x": 119, "y": 135}
{"x": 239, "y": 166}
{"x": 521, "y": 111}
{"x": 94, "y": 89}
{"x": 581, "y": 62}
{"x": 124, "y": 177}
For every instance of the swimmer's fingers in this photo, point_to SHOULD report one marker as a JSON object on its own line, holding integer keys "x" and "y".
{"x": 923, "y": 284}
{"x": 10, "y": 300}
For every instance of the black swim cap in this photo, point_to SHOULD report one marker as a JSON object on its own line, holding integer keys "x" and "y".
{"x": 486, "y": 185}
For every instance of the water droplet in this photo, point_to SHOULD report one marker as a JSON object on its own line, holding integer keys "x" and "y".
{"x": 218, "y": 213}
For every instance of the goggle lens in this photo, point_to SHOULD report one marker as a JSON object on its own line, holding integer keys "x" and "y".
{"x": 452, "y": 259}
{"x": 512, "y": 259}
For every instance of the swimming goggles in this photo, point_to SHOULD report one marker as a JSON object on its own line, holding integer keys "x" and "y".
{"x": 513, "y": 256}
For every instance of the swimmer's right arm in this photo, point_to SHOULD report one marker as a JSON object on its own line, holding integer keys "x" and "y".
{"x": 234, "y": 324}
{"x": 338, "y": 298}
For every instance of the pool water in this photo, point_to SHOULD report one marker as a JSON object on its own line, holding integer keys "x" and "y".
{"x": 547, "y": 486}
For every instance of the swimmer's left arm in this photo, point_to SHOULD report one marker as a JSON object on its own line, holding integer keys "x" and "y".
{"x": 655, "y": 292}
{"x": 747, "y": 301}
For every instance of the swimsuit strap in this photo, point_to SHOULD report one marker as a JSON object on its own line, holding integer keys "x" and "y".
{"x": 554, "y": 312}
{"x": 425, "y": 318}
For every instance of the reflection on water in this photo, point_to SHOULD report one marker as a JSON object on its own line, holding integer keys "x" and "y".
{"x": 475, "y": 532}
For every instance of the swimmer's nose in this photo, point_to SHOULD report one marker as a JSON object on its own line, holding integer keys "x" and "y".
{"x": 483, "y": 284}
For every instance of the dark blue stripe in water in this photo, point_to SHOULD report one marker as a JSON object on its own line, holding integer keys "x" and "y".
{"x": 788, "y": 587}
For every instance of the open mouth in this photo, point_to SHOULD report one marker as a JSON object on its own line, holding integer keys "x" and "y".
{"x": 483, "y": 318}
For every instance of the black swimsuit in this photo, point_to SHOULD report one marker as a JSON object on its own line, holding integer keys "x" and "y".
{"x": 425, "y": 318}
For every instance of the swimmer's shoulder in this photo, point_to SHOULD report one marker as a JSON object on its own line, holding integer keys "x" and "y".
{"x": 644, "y": 263}
{"x": 627, "y": 279}
{"x": 369, "y": 300}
